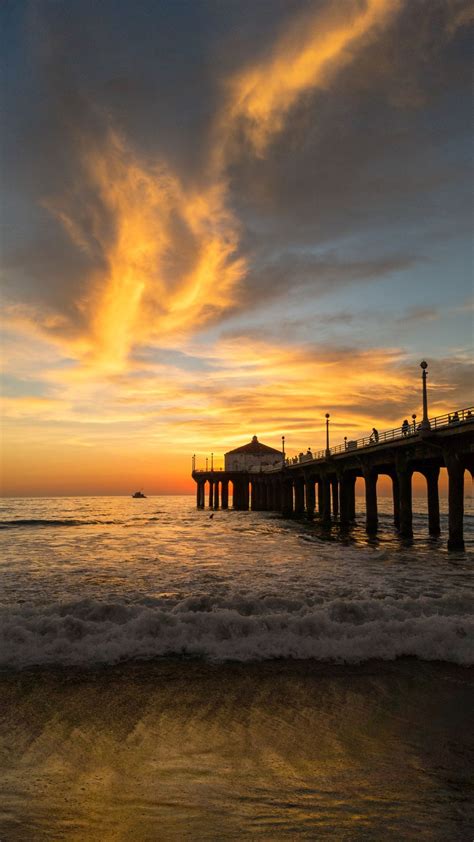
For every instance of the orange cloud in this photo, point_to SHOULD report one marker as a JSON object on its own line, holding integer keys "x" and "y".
{"x": 306, "y": 57}
{"x": 167, "y": 254}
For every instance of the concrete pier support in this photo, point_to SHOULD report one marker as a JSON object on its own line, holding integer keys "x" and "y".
{"x": 200, "y": 489}
{"x": 216, "y": 494}
{"x": 245, "y": 496}
{"x": 325, "y": 498}
{"x": 270, "y": 495}
{"x": 310, "y": 497}
{"x": 371, "y": 514}
{"x": 225, "y": 494}
{"x": 396, "y": 500}
{"x": 236, "y": 494}
{"x": 278, "y": 496}
{"x": 335, "y": 496}
{"x": 299, "y": 496}
{"x": 406, "y": 512}
{"x": 287, "y": 498}
{"x": 253, "y": 495}
{"x": 432, "y": 476}
{"x": 344, "y": 482}
{"x": 347, "y": 483}
{"x": 456, "y": 502}
{"x": 259, "y": 491}
{"x": 320, "y": 496}
{"x": 352, "y": 498}
{"x": 211, "y": 494}
{"x": 241, "y": 495}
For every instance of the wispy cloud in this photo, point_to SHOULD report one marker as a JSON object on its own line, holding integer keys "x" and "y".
{"x": 307, "y": 56}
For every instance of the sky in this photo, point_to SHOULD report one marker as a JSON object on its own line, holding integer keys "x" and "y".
{"x": 224, "y": 218}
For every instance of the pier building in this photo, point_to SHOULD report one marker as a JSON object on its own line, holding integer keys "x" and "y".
{"x": 252, "y": 455}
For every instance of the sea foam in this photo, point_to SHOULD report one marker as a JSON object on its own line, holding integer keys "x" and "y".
{"x": 238, "y": 628}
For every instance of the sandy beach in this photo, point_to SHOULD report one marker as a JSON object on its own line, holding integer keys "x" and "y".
{"x": 179, "y": 749}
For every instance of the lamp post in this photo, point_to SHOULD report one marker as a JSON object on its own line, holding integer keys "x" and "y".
{"x": 425, "y": 424}
{"x": 194, "y": 462}
{"x": 212, "y": 461}
{"x": 414, "y": 422}
{"x": 283, "y": 449}
{"x": 207, "y": 460}
{"x": 327, "y": 435}
{"x": 345, "y": 442}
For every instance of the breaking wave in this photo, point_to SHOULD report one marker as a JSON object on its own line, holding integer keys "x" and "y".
{"x": 241, "y": 629}
{"x": 25, "y": 522}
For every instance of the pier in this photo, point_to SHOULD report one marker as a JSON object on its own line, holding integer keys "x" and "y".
{"x": 322, "y": 485}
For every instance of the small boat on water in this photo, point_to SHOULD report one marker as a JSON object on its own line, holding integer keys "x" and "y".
{"x": 139, "y": 495}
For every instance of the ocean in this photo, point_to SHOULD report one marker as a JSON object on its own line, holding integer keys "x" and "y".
{"x": 170, "y": 675}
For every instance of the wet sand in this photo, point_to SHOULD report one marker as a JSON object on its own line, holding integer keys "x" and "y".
{"x": 177, "y": 750}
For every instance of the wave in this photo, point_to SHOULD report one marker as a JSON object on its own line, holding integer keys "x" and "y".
{"x": 20, "y": 522}
{"x": 240, "y": 629}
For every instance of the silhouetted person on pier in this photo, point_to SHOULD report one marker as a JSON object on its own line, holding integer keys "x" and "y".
{"x": 374, "y": 437}
{"x": 405, "y": 427}
{"x": 454, "y": 418}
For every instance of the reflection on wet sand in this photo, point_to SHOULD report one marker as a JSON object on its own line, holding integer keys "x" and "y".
{"x": 183, "y": 750}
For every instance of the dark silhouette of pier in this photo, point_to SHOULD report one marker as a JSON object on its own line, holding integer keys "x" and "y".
{"x": 322, "y": 485}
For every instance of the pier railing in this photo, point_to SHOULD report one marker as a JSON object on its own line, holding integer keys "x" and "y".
{"x": 450, "y": 419}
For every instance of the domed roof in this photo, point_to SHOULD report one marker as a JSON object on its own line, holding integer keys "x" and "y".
{"x": 254, "y": 448}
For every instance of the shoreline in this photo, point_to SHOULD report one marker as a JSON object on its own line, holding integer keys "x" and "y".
{"x": 309, "y": 667}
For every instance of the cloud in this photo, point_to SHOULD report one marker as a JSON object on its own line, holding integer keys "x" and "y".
{"x": 305, "y": 57}
{"x": 170, "y": 261}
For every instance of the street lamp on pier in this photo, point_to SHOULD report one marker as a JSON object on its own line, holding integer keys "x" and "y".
{"x": 425, "y": 424}
{"x": 328, "y": 453}
{"x": 194, "y": 462}
{"x": 414, "y": 422}
{"x": 212, "y": 461}
{"x": 207, "y": 461}
{"x": 283, "y": 449}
